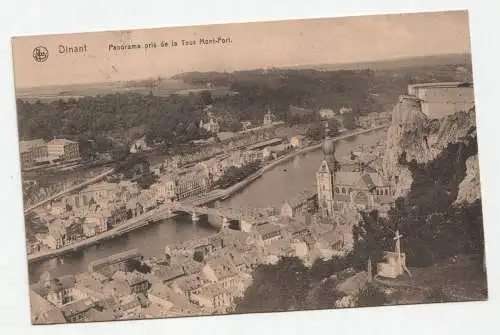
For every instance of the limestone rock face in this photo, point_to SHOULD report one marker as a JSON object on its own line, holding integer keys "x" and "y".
{"x": 469, "y": 189}
{"x": 412, "y": 136}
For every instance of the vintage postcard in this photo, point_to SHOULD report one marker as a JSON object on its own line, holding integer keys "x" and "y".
{"x": 250, "y": 167}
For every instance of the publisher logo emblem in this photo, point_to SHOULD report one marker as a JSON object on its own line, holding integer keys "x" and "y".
{"x": 40, "y": 54}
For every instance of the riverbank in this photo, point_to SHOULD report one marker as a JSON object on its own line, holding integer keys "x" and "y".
{"x": 162, "y": 212}
{"x": 242, "y": 184}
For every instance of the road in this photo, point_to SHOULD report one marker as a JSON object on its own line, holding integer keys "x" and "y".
{"x": 163, "y": 211}
{"x": 71, "y": 189}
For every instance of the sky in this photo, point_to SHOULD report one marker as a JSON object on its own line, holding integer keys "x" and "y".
{"x": 253, "y": 45}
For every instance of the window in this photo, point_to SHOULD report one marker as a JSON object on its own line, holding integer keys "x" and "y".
{"x": 337, "y": 190}
{"x": 343, "y": 190}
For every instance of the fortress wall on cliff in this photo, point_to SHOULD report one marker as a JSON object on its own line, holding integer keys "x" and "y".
{"x": 439, "y": 101}
{"x": 424, "y": 123}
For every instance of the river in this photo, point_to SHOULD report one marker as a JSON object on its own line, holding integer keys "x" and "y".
{"x": 275, "y": 186}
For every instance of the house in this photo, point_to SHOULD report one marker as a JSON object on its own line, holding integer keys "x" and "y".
{"x": 56, "y": 237}
{"x": 345, "y": 110}
{"x": 77, "y": 311}
{"x": 158, "y": 296}
{"x": 222, "y": 270}
{"x": 32, "y": 152}
{"x": 268, "y": 232}
{"x": 212, "y": 126}
{"x": 276, "y": 151}
{"x": 139, "y": 146}
{"x": 130, "y": 307}
{"x": 213, "y": 297}
{"x": 169, "y": 273}
{"x": 268, "y": 118}
{"x": 59, "y": 291}
{"x": 297, "y": 141}
{"x": 138, "y": 282}
{"x": 58, "y": 208}
{"x": 188, "y": 285}
{"x": 63, "y": 149}
{"x": 304, "y": 202}
{"x": 299, "y": 111}
{"x": 326, "y": 113}
{"x": 96, "y": 223}
{"x": 116, "y": 262}
{"x": 53, "y": 316}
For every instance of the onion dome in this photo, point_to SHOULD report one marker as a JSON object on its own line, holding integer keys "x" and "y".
{"x": 328, "y": 143}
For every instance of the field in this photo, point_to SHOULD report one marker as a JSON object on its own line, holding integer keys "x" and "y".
{"x": 50, "y": 93}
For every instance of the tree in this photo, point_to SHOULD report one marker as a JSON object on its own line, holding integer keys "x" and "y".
{"x": 324, "y": 296}
{"x": 316, "y": 131}
{"x": 206, "y": 97}
{"x": 371, "y": 296}
{"x": 283, "y": 286}
{"x": 145, "y": 181}
{"x": 349, "y": 121}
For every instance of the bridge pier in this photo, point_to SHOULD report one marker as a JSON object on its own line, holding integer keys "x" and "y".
{"x": 225, "y": 222}
{"x": 245, "y": 226}
{"x": 195, "y": 217}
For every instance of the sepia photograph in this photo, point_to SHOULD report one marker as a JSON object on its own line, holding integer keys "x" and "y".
{"x": 250, "y": 167}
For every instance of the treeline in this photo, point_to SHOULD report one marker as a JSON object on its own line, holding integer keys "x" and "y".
{"x": 278, "y": 89}
{"x": 175, "y": 119}
{"x": 171, "y": 119}
{"x": 289, "y": 285}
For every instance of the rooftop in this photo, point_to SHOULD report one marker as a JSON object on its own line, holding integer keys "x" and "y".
{"x": 267, "y": 228}
{"x": 25, "y": 146}
{"x": 264, "y": 144}
{"x": 300, "y": 198}
{"x": 77, "y": 307}
{"x": 369, "y": 179}
{"x": 53, "y": 316}
{"x": 119, "y": 257}
{"x": 60, "y": 141}
{"x": 43, "y": 288}
{"x": 212, "y": 290}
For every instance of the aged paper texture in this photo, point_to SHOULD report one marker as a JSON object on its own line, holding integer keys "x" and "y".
{"x": 250, "y": 167}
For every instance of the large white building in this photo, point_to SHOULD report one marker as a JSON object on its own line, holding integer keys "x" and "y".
{"x": 32, "y": 152}
{"x": 438, "y": 100}
{"x": 64, "y": 149}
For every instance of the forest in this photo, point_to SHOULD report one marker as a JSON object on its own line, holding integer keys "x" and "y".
{"x": 174, "y": 119}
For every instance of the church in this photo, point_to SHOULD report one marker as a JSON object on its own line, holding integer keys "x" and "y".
{"x": 340, "y": 191}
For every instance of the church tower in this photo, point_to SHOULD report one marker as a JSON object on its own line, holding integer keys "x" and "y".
{"x": 325, "y": 177}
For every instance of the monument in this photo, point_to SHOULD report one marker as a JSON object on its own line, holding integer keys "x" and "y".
{"x": 394, "y": 264}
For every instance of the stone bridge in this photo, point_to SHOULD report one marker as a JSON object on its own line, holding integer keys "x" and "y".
{"x": 246, "y": 217}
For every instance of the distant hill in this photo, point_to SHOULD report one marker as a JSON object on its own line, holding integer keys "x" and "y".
{"x": 397, "y": 63}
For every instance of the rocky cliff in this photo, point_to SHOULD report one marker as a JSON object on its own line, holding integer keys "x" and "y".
{"x": 469, "y": 190}
{"x": 413, "y": 138}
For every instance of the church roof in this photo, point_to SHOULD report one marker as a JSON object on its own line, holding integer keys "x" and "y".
{"x": 348, "y": 178}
